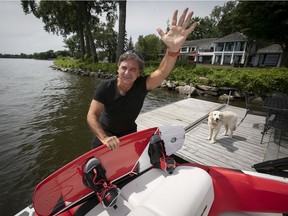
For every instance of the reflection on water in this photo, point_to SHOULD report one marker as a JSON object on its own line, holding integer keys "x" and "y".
{"x": 43, "y": 126}
{"x": 158, "y": 98}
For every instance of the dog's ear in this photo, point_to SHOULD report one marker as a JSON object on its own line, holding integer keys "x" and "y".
{"x": 211, "y": 115}
{"x": 220, "y": 116}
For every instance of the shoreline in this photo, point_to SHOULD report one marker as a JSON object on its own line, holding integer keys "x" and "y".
{"x": 223, "y": 94}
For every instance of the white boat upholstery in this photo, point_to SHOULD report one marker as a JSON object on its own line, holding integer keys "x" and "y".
{"x": 188, "y": 191}
{"x": 123, "y": 208}
{"x": 137, "y": 191}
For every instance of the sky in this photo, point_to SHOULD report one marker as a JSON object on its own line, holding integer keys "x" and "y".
{"x": 20, "y": 33}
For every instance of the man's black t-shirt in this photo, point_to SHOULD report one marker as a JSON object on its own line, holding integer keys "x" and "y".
{"x": 120, "y": 112}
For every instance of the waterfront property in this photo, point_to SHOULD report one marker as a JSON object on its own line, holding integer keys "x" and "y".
{"x": 233, "y": 49}
{"x": 240, "y": 152}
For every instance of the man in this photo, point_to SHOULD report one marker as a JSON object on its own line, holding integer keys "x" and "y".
{"x": 117, "y": 102}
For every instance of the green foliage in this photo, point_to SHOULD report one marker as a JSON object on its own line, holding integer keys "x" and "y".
{"x": 149, "y": 46}
{"x": 258, "y": 80}
{"x": 152, "y": 63}
{"x": 106, "y": 40}
{"x": 76, "y": 17}
{"x": 185, "y": 63}
{"x": 267, "y": 21}
{"x": 150, "y": 69}
{"x": 87, "y": 66}
{"x": 252, "y": 79}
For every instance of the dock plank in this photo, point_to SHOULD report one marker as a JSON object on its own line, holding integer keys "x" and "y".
{"x": 182, "y": 113}
{"x": 240, "y": 152}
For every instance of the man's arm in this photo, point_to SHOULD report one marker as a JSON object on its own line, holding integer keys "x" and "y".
{"x": 173, "y": 39}
{"x": 94, "y": 112}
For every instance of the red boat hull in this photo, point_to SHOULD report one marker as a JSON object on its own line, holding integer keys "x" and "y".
{"x": 229, "y": 191}
{"x": 236, "y": 191}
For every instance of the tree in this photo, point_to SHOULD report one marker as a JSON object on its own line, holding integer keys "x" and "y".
{"x": 205, "y": 29}
{"x": 73, "y": 44}
{"x": 216, "y": 24}
{"x": 130, "y": 45}
{"x": 85, "y": 8}
{"x": 149, "y": 46}
{"x": 66, "y": 17}
{"x": 222, "y": 19}
{"x": 122, "y": 28}
{"x": 106, "y": 41}
{"x": 80, "y": 31}
{"x": 266, "y": 22}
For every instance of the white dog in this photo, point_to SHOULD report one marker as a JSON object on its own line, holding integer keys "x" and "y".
{"x": 215, "y": 121}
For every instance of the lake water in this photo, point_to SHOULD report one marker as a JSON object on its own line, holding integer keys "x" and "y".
{"x": 43, "y": 124}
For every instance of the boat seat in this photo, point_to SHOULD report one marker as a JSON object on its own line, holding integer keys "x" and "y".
{"x": 141, "y": 211}
{"x": 187, "y": 191}
{"x": 137, "y": 191}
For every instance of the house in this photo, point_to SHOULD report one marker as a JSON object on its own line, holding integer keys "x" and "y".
{"x": 200, "y": 51}
{"x": 231, "y": 49}
{"x": 268, "y": 56}
{"x": 234, "y": 49}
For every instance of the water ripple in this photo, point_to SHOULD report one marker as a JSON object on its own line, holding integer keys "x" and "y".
{"x": 43, "y": 125}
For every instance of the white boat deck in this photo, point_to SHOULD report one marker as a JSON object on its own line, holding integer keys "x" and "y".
{"x": 240, "y": 152}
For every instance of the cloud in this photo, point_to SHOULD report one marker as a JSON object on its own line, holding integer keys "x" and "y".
{"x": 144, "y": 17}
{"x": 20, "y": 33}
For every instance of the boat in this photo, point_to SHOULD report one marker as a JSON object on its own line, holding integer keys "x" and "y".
{"x": 161, "y": 183}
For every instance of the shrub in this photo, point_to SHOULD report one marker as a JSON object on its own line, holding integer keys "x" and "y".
{"x": 258, "y": 80}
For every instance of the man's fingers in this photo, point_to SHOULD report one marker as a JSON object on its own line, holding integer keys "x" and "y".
{"x": 182, "y": 18}
{"x": 174, "y": 19}
{"x": 192, "y": 27}
{"x": 160, "y": 32}
{"x": 112, "y": 143}
{"x": 188, "y": 20}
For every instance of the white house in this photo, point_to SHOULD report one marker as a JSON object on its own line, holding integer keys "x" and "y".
{"x": 233, "y": 49}
{"x": 230, "y": 49}
{"x": 199, "y": 50}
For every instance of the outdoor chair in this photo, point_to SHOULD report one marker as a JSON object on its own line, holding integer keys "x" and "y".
{"x": 251, "y": 108}
{"x": 278, "y": 121}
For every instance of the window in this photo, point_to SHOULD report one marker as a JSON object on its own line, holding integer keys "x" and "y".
{"x": 227, "y": 59}
{"x": 219, "y": 46}
{"x": 239, "y": 46}
{"x": 192, "y": 49}
{"x": 268, "y": 59}
{"x": 217, "y": 59}
{"x": 229, "y": 46}
{"x": 237, "y": 59}
{"x": 184, "y": 49}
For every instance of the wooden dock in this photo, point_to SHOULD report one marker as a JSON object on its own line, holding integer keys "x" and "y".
{"x": 239, "y": 152}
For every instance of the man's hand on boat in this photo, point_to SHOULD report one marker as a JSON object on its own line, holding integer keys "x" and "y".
{"x": 112, "y": 142}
